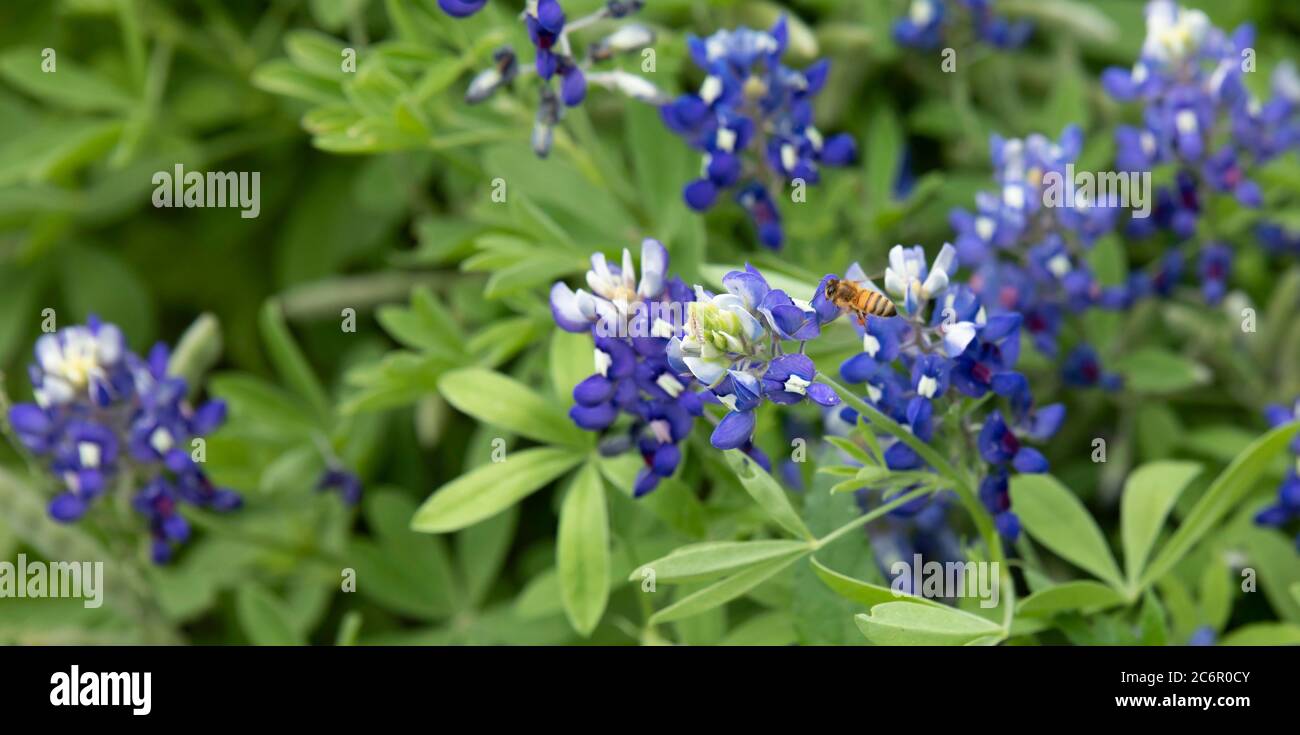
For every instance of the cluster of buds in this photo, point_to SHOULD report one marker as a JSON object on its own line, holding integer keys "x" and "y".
{"x": 565, "y": 75}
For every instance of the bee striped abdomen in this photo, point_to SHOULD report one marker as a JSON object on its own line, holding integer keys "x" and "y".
{"x": 874, "y": 303}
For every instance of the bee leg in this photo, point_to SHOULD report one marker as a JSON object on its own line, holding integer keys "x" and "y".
{"x": 862, "y": 320}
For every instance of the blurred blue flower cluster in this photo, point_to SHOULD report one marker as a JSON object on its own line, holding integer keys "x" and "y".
{"x": 104, "y": 415}
{"x": 1199, "y": 117}
{"x": 1025, "y": 242}
{"x": 930, "y": 24}
{"x": 753, "y": 120}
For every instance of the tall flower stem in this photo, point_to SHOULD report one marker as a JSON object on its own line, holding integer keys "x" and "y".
{"x": 961, "y": 486}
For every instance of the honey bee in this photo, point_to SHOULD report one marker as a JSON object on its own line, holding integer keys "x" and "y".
{"x": 858, "y": 300}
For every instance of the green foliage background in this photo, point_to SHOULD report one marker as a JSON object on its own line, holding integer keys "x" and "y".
{"x": 375, "y": 197}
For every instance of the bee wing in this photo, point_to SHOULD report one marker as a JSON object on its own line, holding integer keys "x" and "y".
{"x": 858, "y": 276}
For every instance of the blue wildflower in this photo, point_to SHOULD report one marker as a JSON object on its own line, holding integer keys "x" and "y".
{"x": 637, "y": 397}
{"x": 102, "y": 411}
{"x": 749, "y": 96}
{"x": 929, "y": 24}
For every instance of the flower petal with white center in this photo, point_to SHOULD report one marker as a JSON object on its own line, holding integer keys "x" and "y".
{"x": 957, "y": 337}
{"x": 603, "y": 361}
{"x": 926, "y": 386}
{"x": 796, "y": 384}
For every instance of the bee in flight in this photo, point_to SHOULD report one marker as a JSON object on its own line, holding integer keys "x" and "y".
{"x": 858, "y": 300}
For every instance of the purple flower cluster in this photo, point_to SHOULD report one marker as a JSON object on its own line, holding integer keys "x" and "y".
{"x": 1024, "y": 243}
{"x": 1286, "y": 508}
{"x": 733, "y": 345}
{"x": 911, "y": 363}
{"x": 102, "y": 413}
{"x": 931, "y": 23}
{"x": 1199, "y": 117}
{"x": 565, "y": 76}
{"x": 631, "y": 324}
{"x": 753, "y": 120}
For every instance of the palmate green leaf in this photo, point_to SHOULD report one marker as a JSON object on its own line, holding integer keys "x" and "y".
{"x": 399, "y": 379}
{"x": 289, "y": 361}
{"x": 1084, "y": 595}
{"x": 264, "y": 618}
{"x": 1149, "y": 495}
{"x": 492, "y": 488}
{"x": 767, "y": 493}
{"x": 509, "y": 405}
{"x": 1224, "y": 494}
{"x": 582, "y": 550}
{"x": 712, "y": 559}
{"x": 1055, "y": 518}
{"x": 426, "y": 325}
{"x": 723, "y": 591}
{"x": 912, "y": 624}
{"x": 864, "y": 593}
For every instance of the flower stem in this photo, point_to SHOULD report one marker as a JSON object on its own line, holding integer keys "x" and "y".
{"x": 960, "y": 486}
{"x": 866, "y": 518}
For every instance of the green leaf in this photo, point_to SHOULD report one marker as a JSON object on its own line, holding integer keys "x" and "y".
{"x": 1056, "y": 519}
{"x": 280, "y": 76}
{"x": 69, "y": 86}
{"x": 506, "y": 404}
{"x": 427, "y": 325}
{"x": 864, "y": 593}
{"x": 265, "y": 407}
{"x": 1149, "y": 495}
{"x": 712, "y": 559}
{"x": 767, "y": 493}
{"x": 884, "y": 152}
{"x": 571, "y": 363}
{"x": 197, "y": 350}
{"x": 289, "y": 361}
{"x": 1216, "y": 594}
{"x": 264, "y": 618}
{"x": 723, "y": 591}
{"x": 911, "y": 624}
{"x": 1151, "y": 621}
{"x": 492, "y": 488}
{"x": 1157, "y": 371}
{"x": 582, "y": 550}
{"x": 1084, "y": 595}
{"x": 420, "y": 558}
{"x": 1224, "y": 494}
{"x": 1263, "y": 634}
{"x": 316, "y": 52}
{"x": 481, "y": 551}
{"x": 1275, "y": 560}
